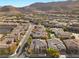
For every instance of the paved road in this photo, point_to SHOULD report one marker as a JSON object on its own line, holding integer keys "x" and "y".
{"x": 6, "y": 23}
{"x": 23, "y": 42}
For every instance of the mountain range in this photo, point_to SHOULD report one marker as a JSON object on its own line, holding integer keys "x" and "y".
{"x": 65, "y": 6}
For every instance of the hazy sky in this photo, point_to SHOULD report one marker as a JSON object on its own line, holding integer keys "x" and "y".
{"x": 21, "y": 3}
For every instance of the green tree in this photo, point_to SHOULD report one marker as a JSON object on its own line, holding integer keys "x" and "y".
{"x": 73, "y": 37}
{"x": 49, "y": 33}
{"x": 49, "y": 36}
{"x": 29, "y": 40}
{"x": 4, "y": 52}
{"x": 52, "y": 52}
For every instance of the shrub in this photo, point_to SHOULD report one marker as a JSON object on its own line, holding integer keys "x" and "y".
{"x": 52, "y": 52}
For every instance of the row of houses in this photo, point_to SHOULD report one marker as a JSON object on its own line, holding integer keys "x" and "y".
{"x": 39, "y": 32}
{"x": 11, "y": 40}
{"x": 39, "y": 46}
{"x": 60, "y": 33}
{"x": 54, "y": 24}
{"x": 72, "y": 46}
{"x": 73, "y": 27}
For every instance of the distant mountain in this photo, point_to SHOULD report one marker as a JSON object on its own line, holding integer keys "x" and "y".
{"x": 56, "y": 6}
{"x": 65, "y": 6}
{"x": 9, "y": 10}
